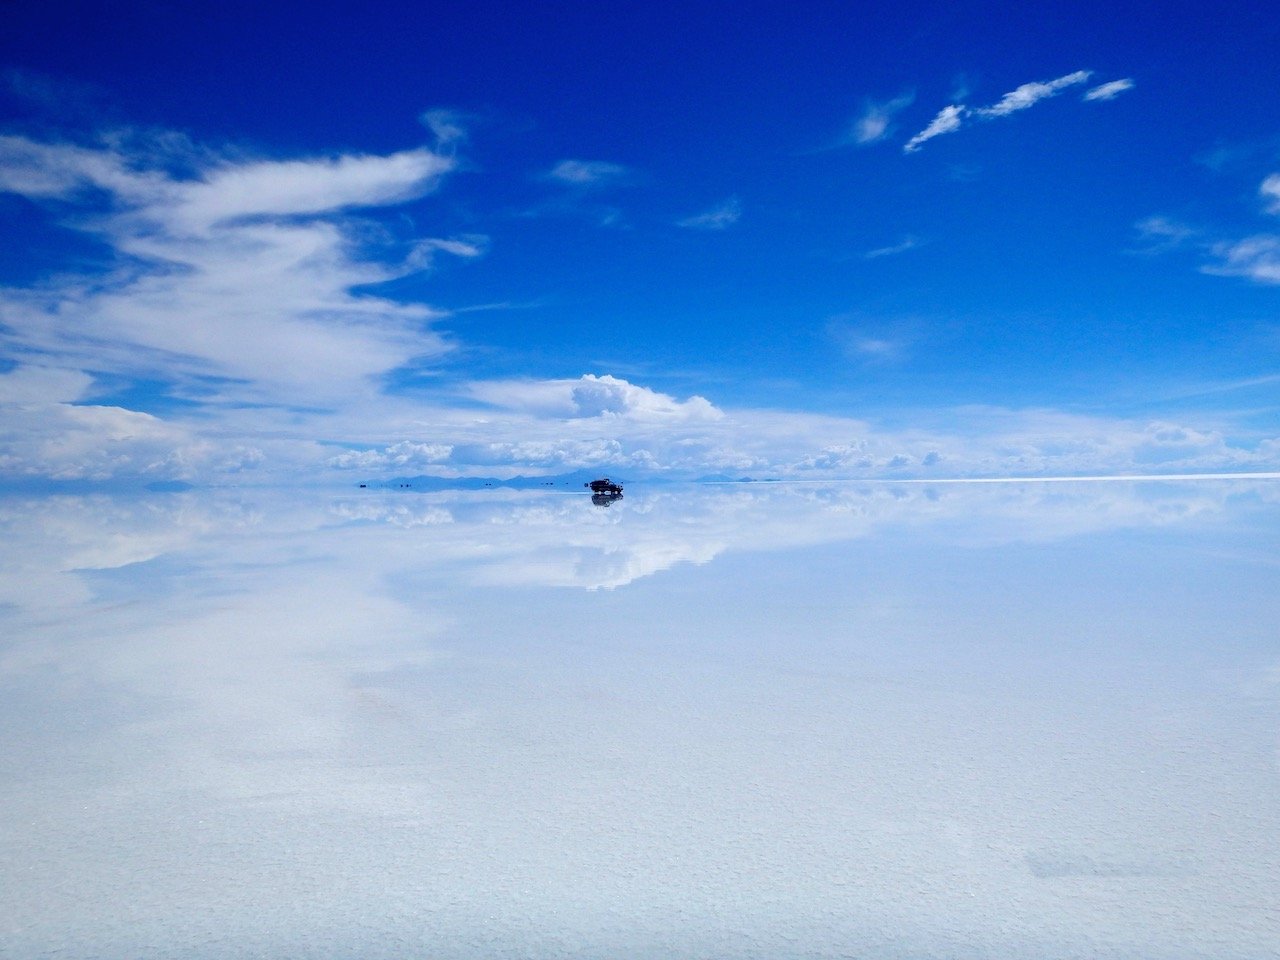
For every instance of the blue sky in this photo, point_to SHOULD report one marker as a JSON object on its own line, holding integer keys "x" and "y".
{"x": 945, "y": 239}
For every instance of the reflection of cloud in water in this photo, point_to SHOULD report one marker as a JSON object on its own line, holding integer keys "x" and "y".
{"x": 258, "y": 724}
{"x": 551, "y": 539}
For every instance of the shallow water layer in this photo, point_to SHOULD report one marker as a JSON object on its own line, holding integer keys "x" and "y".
{"x": 741, "y": 720}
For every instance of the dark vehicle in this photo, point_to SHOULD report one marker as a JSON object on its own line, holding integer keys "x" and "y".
{"x": 605, "y": 499}
{"x": 605, "y": 485}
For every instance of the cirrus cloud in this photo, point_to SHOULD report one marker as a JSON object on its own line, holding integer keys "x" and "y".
{"x": 720, "y": 217}
{"x": 951, "y": 118}
{"x": 1109, "y": 90}
{"x": 876, "y": 120}
{"x": 222, "y": 273}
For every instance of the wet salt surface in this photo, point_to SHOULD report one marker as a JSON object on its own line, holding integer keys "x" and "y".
{"x": 731, "y": 721}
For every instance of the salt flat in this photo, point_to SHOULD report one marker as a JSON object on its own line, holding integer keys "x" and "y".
{"x": 747, "y": 720}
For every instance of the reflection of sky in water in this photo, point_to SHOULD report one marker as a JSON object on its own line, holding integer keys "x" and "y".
{"x": 1022, "y": 721}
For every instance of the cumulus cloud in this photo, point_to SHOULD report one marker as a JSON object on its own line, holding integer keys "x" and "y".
{"x": 63, "y": 441}
{"x": 405, "y": 455}
{"x": 550, "y": 454}
{"x": 591, "y": 396}
{"x": 605, "y": 422}
{"x": 1110, "y": 90}
{"x": 719, "y": 217}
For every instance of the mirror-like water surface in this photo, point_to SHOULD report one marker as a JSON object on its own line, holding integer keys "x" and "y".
{"x": 726, "y": 721}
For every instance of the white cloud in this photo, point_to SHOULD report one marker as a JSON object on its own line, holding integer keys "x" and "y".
{"x": 61, "y": 441}
{"x": 604, "y": 422}
{"x": 243, "y": 272}
{"x": 717, "y": 218}
{"x": 245, "y": 304}
{"x": 878, "y": 347}
{"x": 591, "y": 396}
{"x": 1270, "y": 191}
{"x": 951, "y": 118}
{"x": 448, "y": 126}
{"x": 42, "y": 385}
{"x": 1110, "y": 90}
{"x": 1161, "y": 234}
{"x": 873, "y": 339}
{"x": 1256, "y": 257}
{"x": 291, "y": 187}
{"x": 876, "y": 122}
{"x": 405, "y": 455}
{"x": 583, "y": 184}
{"x": 224, "y": 192}
{"x": 588, "y": 173}
{"x": 563, "y": 453}
{"x": 948, "y": 120}
{"x": 422, "y": 255}
{"x": 1029, "y": 94}
{"x": 235, "y": 286}
{"x": 1166, "y": 230}
{"x": 907, "y": 243}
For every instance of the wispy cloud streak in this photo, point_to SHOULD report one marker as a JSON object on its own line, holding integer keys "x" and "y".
{"x": 1029, "y": 94}
{"x": 876, "y": 122}
{"x": 1109, "y": 91}
{"x": 951, "y": 118}
{"x": 229, "y": 270}
{"x": 907, "y": 243}
{"x": 948, "y": 120}
{"x": 1256, "y": 257}
{"x": 234, "y": 285}
{"x": 588, "y": 173}
{"x": 719, "y": 217}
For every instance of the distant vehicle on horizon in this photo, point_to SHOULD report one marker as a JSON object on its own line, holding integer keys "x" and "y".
{"x": 605, "y": 485}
